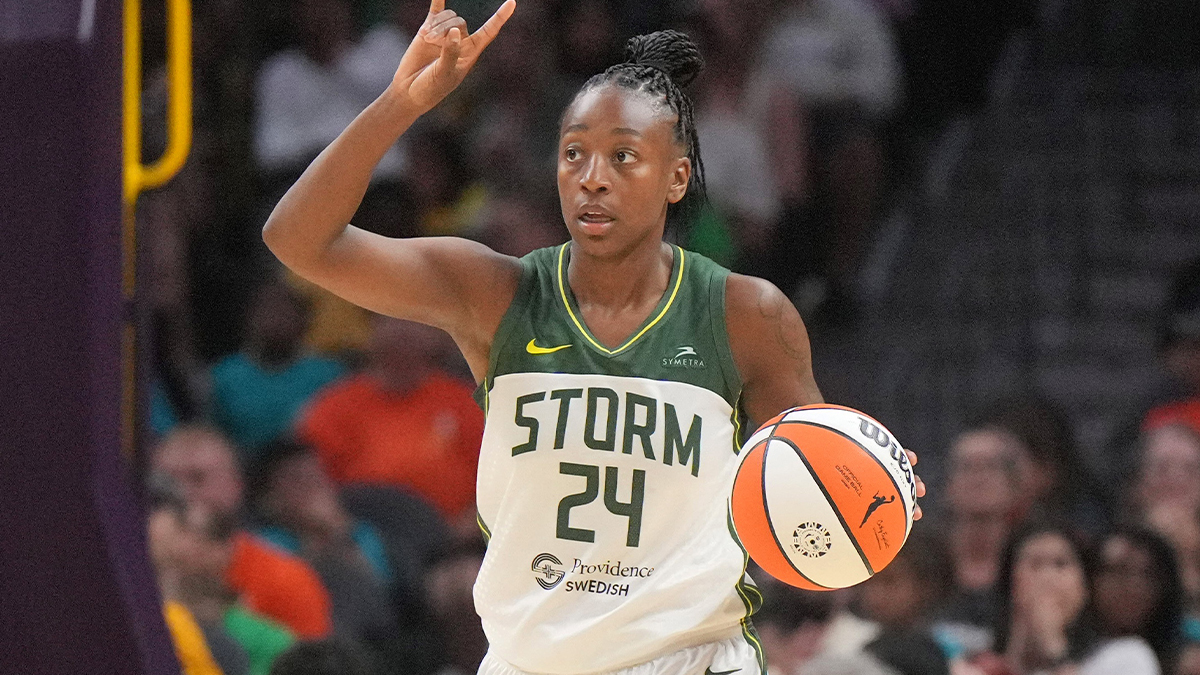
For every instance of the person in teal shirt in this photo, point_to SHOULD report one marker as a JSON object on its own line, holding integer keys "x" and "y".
{"x": 257, "y": 392}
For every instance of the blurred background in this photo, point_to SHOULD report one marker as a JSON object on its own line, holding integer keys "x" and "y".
{"x": 987, "y": 213}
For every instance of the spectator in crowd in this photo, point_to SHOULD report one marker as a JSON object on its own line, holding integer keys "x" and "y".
{"x": 1043, "y": 624}
{"x": 852, "y": 664}
{"x": 445, "y": 196}
{"x": 792, "y": 625}
{"x": 305, "y": 96}
{"x": 586, "y": 39}
{"x": 1177, "y": 400}
{"x": 986, "y": 492}
{"x": 1180, "y": 348}
{"x": 167, "y": 512}
{"x": 1166, "y": 497}
{"x": 257, "y": 392}
{"x": 513, "y": 138}
{"x": 901, "y": 598}
{"x": 267, "y": 580}
{"x": 339, "y": 329}
{"x": 827, "y": 77}
{"x": 191, "y": 550}
{"x": 448, "y": 589}
{"x": 324, "y": 657}
{"x": 304, "y": 516}
{"x": 1060, "y": 485}
{"x": 798, "y": 628}
{"x": 740, "y": 178}
{"x": 170, "y": 218}
{"x": 402, "y": 423}
{"x": 1189, "y": 660}
{"x": 1137, "y": 592}
{"x": 191, "y": 648}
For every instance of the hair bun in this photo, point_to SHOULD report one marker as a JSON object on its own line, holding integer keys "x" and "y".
{"x": 668, "y": 50}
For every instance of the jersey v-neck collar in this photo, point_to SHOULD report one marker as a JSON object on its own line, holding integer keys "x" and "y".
{"x": 575, "y": 315}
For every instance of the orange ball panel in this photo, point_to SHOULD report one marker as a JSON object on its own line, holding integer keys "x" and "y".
{"x": 750, "y": 521}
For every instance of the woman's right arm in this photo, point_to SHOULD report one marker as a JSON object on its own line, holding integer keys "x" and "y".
{"x": 457, "y": 285}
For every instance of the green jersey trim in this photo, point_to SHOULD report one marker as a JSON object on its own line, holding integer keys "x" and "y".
{"x": 752, "y": 598}
{"x": 733, "y": 379}
{"x": 736, "y": 418}
{"x": 566, "y": 299}
{"x": 487, "y": 533}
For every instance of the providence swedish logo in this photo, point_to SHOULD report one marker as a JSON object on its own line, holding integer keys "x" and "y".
{"x": 546, "y": 572}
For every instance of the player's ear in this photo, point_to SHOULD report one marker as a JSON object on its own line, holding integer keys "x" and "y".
{"x": 680, "y": 177}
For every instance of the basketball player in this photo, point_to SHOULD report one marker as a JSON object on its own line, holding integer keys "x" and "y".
{"x": 613, "y": 370}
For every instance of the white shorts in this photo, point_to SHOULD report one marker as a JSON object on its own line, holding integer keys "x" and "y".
{"x": 735, "y": 656}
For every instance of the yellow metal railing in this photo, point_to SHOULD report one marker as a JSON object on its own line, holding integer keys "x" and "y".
{"x": 138, "y": 177}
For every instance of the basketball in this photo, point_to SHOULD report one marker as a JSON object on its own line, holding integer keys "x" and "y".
{"x": 823, "y": 498}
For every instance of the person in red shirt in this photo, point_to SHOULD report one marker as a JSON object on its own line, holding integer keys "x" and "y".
{"x": 402, "y": 422}
{"x": 267, "y": 580}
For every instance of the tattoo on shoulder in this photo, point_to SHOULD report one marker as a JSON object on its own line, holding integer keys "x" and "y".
{"x": 768, "y": 303}
{"x": 789, "y": 329}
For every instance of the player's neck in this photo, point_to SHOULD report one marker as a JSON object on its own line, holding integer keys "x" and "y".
{"x": 628, "y": 281}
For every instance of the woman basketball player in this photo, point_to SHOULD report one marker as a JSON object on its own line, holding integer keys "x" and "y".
{"x": 613, "y": 369}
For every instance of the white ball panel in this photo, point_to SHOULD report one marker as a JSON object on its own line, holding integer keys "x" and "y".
{"x": 805, "y": 523}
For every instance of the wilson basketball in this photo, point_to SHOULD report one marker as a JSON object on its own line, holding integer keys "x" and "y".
{"x": 824, "y": 497}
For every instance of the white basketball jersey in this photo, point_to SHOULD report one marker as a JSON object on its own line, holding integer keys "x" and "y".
{"x": 604, "y": 479}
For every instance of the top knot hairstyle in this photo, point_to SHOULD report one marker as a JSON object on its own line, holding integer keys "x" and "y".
{"x": 661, "y": 64}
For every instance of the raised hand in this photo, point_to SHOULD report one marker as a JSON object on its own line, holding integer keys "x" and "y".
{"x": 442, "y": 53}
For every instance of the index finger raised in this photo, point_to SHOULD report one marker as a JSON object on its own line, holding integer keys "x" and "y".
{"x": 491, "y": 28}
{"x": 436, "y": 6}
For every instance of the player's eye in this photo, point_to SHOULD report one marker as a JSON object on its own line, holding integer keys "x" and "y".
{"x": 623, "y": 157}
{"x": 571, "y": 154}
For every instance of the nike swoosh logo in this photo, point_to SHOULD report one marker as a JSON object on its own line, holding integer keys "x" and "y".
{"x": 710, "y": 671}
{"x": 534, "y": 349}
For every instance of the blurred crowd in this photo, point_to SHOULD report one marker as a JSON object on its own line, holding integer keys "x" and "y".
{"x": 310, "y": 477}
{"x": 1028, "y": 561}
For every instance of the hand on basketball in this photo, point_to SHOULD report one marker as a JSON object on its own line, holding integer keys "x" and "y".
{"x": 442, "y": 53}
{"x": 912, "y": 459}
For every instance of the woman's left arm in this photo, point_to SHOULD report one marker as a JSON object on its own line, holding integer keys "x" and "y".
{"x": 771, "y": 351}
{"x": 770, "y": 348}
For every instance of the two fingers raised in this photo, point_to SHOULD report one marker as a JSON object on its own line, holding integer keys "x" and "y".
{"x": 441, "y": 20}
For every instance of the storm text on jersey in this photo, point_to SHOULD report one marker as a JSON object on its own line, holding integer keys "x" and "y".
{"x": 632, "y": 424}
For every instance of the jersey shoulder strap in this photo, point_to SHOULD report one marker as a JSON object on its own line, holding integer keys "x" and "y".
{"x": 708, "y": 280}
{"x": 536, "y": 269}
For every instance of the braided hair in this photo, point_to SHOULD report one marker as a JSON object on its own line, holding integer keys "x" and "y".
{"x": 660, "y": 64}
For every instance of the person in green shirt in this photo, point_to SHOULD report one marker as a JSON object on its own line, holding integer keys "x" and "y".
{"x": 263, "y": 639}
